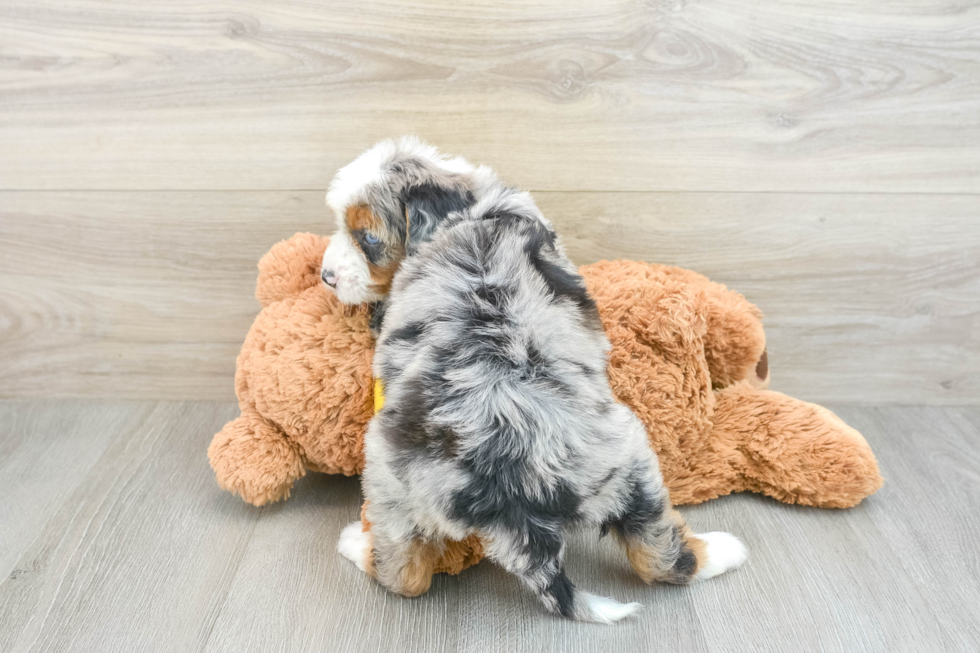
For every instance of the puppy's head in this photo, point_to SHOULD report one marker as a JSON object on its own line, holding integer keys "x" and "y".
{"x": 387, "y": 202}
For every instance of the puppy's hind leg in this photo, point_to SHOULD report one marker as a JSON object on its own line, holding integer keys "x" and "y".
{"x": 392, "y": 551}
{"x": 535, "y": 556}
{"x": 659, "y": 544}
{"x": 405, "y": 565}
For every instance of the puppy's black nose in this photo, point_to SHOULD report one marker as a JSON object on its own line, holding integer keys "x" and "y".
{"x": 329, "y": 278}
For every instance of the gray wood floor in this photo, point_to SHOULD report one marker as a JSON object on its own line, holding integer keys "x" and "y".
{"x": 114, "y": 537}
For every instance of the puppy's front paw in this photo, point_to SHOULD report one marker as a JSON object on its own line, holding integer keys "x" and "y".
{"x": 355, "y": 545}
{"x": 723, "y": 551}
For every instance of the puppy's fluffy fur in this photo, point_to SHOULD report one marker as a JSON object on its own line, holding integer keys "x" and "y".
{"x": 498, "y": 419}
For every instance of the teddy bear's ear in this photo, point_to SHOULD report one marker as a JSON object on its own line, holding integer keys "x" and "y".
{"x": 290, "y": 267}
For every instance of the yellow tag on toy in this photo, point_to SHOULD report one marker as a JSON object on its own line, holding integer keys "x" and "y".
{"x": 379, "y": 395}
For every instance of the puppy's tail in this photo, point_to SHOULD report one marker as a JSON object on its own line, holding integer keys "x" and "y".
{"x": 560, "y": 596}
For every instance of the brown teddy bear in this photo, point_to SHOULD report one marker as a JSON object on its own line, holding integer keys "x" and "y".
{"x": 688, "y": 357}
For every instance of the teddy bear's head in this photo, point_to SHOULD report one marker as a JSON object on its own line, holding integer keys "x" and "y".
{"x": 303, "y": 380}
{"x": 290, "y": 268}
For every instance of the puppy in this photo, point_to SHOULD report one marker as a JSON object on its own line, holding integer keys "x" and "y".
{"x": 498, "y": 419}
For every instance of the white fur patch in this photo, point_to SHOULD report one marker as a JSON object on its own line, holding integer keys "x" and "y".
{"x": 354, "y": 545}
{"x": 368, "y": 169}
{"x": 724, "y": 551}
{"x": 351, "y": 180}
{"x": 607, "y": 611}
{"x": 351, "y": 269}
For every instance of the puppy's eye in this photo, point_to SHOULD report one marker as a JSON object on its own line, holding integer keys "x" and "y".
{"x": 371, "y": 239}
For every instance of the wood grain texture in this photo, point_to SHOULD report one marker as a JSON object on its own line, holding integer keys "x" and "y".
{"x": 142, "y": 551}
{"x": 733, "y": 95}
{"x": 135, "y": 294}
{"x": 870, "y": 298}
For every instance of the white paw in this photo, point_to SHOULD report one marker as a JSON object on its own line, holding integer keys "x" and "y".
{"x": 724, "y": 552}
{"x": 607, "y": 611}
{"x": 354, "y": 544}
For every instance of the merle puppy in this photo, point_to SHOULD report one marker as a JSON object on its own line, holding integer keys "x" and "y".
{"x": 498, "y": 419}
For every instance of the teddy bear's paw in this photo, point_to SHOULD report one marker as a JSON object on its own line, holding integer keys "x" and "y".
{"x": 355, "y": 545}
{"x": 723, "y": 552}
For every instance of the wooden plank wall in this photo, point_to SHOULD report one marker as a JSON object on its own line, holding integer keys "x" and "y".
{"x": 822, "y": 157}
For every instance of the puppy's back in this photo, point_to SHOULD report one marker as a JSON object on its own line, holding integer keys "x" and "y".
{"x": 493, "y": 358}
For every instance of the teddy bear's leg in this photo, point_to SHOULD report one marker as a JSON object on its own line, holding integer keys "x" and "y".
{"x": 791, "y": 450}
{"x": 255, "y": 460}
{"x": 290, "y": 267}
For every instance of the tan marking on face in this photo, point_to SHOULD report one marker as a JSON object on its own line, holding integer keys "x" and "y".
{"x": 382, "y": 275}
{"x": 360, "y": 216}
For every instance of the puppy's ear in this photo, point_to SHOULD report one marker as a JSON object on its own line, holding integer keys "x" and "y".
{"x": 426, "y": 206}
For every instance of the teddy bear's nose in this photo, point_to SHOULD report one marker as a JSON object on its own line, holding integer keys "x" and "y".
{"x": 329, "y": 278}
